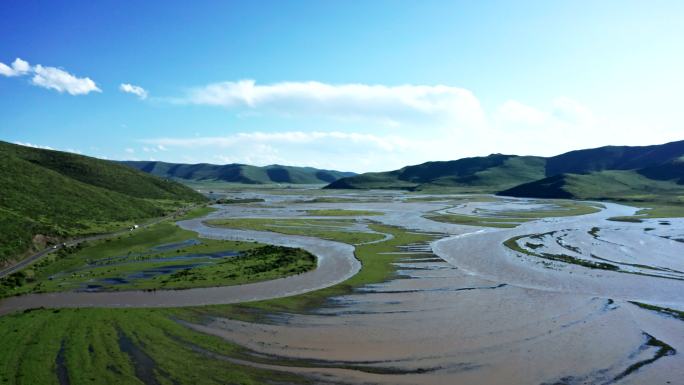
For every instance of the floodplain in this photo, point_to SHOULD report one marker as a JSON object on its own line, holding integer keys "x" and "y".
{"x": 357, "y": 287}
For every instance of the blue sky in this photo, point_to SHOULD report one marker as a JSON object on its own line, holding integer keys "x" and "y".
{"x": 350, "y": 85}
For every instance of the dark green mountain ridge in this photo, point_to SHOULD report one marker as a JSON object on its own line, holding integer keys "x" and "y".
{"x": 488, "y": 173}
{"x": 239, "y": 173}
{"x": 604, "y": 172}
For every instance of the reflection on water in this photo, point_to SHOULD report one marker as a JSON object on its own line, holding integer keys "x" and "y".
{"x": 176, "y": 245}
{"x": 145, "y": 271}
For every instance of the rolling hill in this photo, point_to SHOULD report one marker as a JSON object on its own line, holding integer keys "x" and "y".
{"x": 614, "y": 158}
{"x": 483, "y": 174}
{"x": 612, "y": 172}
{"x": 607, "y": 184}
{"x": 58, "y": 194}
{"x": 605, "y": 172}
{"x": 238, "y": 173}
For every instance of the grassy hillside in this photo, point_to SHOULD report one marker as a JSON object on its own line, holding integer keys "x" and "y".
{"x": 238, "y": 173}
{"x": 672, "y": 171}
{"x": 102, "y": 173}
{"x": 490, "y": 173}
{"x": 58, "y": 194}
{"x": 614, "y": 158}
{"x": 610, "y": 184}
{"x": 646, "y": 173}
{"x": 611, "y": 172}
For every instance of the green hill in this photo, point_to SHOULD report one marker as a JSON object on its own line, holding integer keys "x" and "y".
{"x": 614, "y": 158}
{"x": 239, "y": 173}
{"x": 608, "y": 184}
{"x": 58, "y": 194}
{"x": 605, "y": 172}
{"x": 483, "y": 174}
{"x": 638, "y": 173}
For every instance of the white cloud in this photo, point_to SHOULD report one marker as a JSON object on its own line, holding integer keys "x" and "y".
{"x": 62, "y": 81}
{"x": 572, "y": 112}
{"x": 565, "y": 124}
{"x": 19, "y": 67}
{"x": 27, "y": 144}
{"x": 392, "y": 105}
{"x": 299, "y": 138}
{"x": 133, "y": 89}
{"x": 130, "y": 151}
{"x": 50, "y": 78}
{"x": 516, "y": 112}
{"x": 340, "y": 150}
{"x": 561, "y": 125}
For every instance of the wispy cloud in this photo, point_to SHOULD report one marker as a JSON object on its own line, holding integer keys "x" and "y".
{"x": 354, "y": 151}
{"x": 293, "y": 137}
{"x": 516, "y": 112}
{"x": 394, "y": 105}
{"x": 50, "y": 77}
{"x": 563, "y": 113}
{"x": 133, "y": 89}
{"x": 427, "y": 122}
{"x": 27, "y": 144}
{"x": 62, "y": 81}
{"x": 19, "y": 67}
{"x": 513, "y": 127}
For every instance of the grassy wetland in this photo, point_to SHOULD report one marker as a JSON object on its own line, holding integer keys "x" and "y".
{"x": 361, "y": 329}
{"x": 162, "y": 256}
{"x": 154, "y": 346}
{"x": 513, "y": 218}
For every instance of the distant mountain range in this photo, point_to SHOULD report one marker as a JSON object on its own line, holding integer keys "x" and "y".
{"x": 59, "y": 194}
{"x": 604, "y": 172}
{"x": 239, "y": 173}
{"x": 610, "y": 172}
{"x": 489, "y": 173}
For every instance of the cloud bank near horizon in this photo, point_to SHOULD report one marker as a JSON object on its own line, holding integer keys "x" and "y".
{"x": 375, "y": 127}
{"x": 389, "y": 105}
{"x": 358, "y": 127}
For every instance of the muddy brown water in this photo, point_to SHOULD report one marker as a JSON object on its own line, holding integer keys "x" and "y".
{"x": 465, "y": 310}
{"x": 336, "y": 263}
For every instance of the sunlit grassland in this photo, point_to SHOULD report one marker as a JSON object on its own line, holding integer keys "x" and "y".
{"x": 119, "y": 258}
{"x": 153, "y": 345}
{"x": 376, "y": 267}
{"x": 452, "y": 198}
{"x": 341, "y": 213}
{"x": 335, "y": 230}
{"x": 198, "y": 212}
{"x": 472, "y": 220}
{"x": 117, "y": 346}
{"x": 328, "y": 199}
{"x": 512, "y": 218}
{"x": 653, "y": 209}
{"x": 561, "y": 209}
